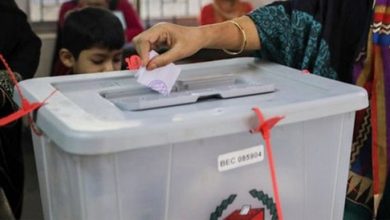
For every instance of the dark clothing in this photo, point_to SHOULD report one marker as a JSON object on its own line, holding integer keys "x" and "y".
{"x": 384, "y": 210}
{"x": 18, "y": 43}
{"x": 11, "y": 161}
{"x": 21, "y": 48}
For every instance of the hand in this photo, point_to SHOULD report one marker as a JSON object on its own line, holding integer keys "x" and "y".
{"x": 181, "y": 42}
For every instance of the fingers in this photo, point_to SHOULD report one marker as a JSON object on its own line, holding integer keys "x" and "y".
{"x": 173, "y": 54}
{"x": 150, "y": 39}
{"x": 181, "y": 41}
{"x": 142, "y": 46}
{"x": 156, "y": 36}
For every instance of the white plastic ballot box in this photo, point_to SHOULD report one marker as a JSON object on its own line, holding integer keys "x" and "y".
{"x": 113, "y": 149}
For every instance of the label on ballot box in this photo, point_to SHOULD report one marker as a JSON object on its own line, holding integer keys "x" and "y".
{"x": 240, "y": 158}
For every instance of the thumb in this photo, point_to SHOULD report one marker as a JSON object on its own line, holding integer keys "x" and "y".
{"x": 142, "y": 47}
{"x": 166, "y": 58}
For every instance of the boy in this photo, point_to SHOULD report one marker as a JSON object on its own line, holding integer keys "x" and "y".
{"x": 92, "y": 41}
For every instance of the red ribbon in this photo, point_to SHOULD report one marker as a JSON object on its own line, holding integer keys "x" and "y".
{"x": 265, "y": 126}
{"x": 27, "y": 107}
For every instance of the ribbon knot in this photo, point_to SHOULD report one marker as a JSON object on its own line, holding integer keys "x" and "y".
{"x": 265, "y": 125}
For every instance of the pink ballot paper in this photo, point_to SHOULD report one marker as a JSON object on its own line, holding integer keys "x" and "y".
{"x": 161, "y": 79}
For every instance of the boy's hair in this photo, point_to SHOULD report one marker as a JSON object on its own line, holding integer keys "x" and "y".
{"x": 92, "y": 27}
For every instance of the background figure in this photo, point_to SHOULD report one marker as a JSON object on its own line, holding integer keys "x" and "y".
{"x": 222, "y": 10}
{"x": 133, "y": 25}
{"x": 92, "y": 41}
{"x": 370, "y": 157}
{"x": 21, "y": 48}
{"x": 122, "y": 8}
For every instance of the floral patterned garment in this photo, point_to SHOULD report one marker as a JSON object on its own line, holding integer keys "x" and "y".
{"x": 322, "y": 36}
{"x": 11, "y": 159}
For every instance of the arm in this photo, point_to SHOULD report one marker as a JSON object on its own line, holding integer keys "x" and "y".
{"x": 185, "y": 41}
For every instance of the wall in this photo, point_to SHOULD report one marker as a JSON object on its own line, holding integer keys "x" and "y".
{"x": 47, "y": 50}
{"x": 23, "y": 4}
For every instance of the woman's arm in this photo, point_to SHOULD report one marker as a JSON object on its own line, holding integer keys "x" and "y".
{"x": 227, "y": 35}
{"x": 184, "y": 41}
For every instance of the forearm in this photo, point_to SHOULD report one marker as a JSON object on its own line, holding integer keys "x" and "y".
{"x": 227, "y": 35}
{"x": 184, "y": 41}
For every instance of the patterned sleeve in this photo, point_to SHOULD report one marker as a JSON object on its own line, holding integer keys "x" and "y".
{"x": 292, "y": 38}
{"x": 6, "y": 87}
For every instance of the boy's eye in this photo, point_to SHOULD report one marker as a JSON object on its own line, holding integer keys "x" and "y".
{"x": 97, "y": 61}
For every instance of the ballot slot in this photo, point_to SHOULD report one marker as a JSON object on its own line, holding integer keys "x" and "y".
{"x": 196, "y": 82}
{"x": 187, "y": 89}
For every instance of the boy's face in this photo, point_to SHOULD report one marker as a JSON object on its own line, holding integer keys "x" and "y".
{"x": 93, "y": 60}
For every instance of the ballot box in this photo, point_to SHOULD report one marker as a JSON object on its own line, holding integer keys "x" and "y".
{"x": 109, "y": 148}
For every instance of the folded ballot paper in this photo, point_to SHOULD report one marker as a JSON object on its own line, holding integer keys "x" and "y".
{"x": 161, "y": 79}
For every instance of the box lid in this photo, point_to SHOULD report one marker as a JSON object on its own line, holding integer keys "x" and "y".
{"x": 110, "y": 112}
